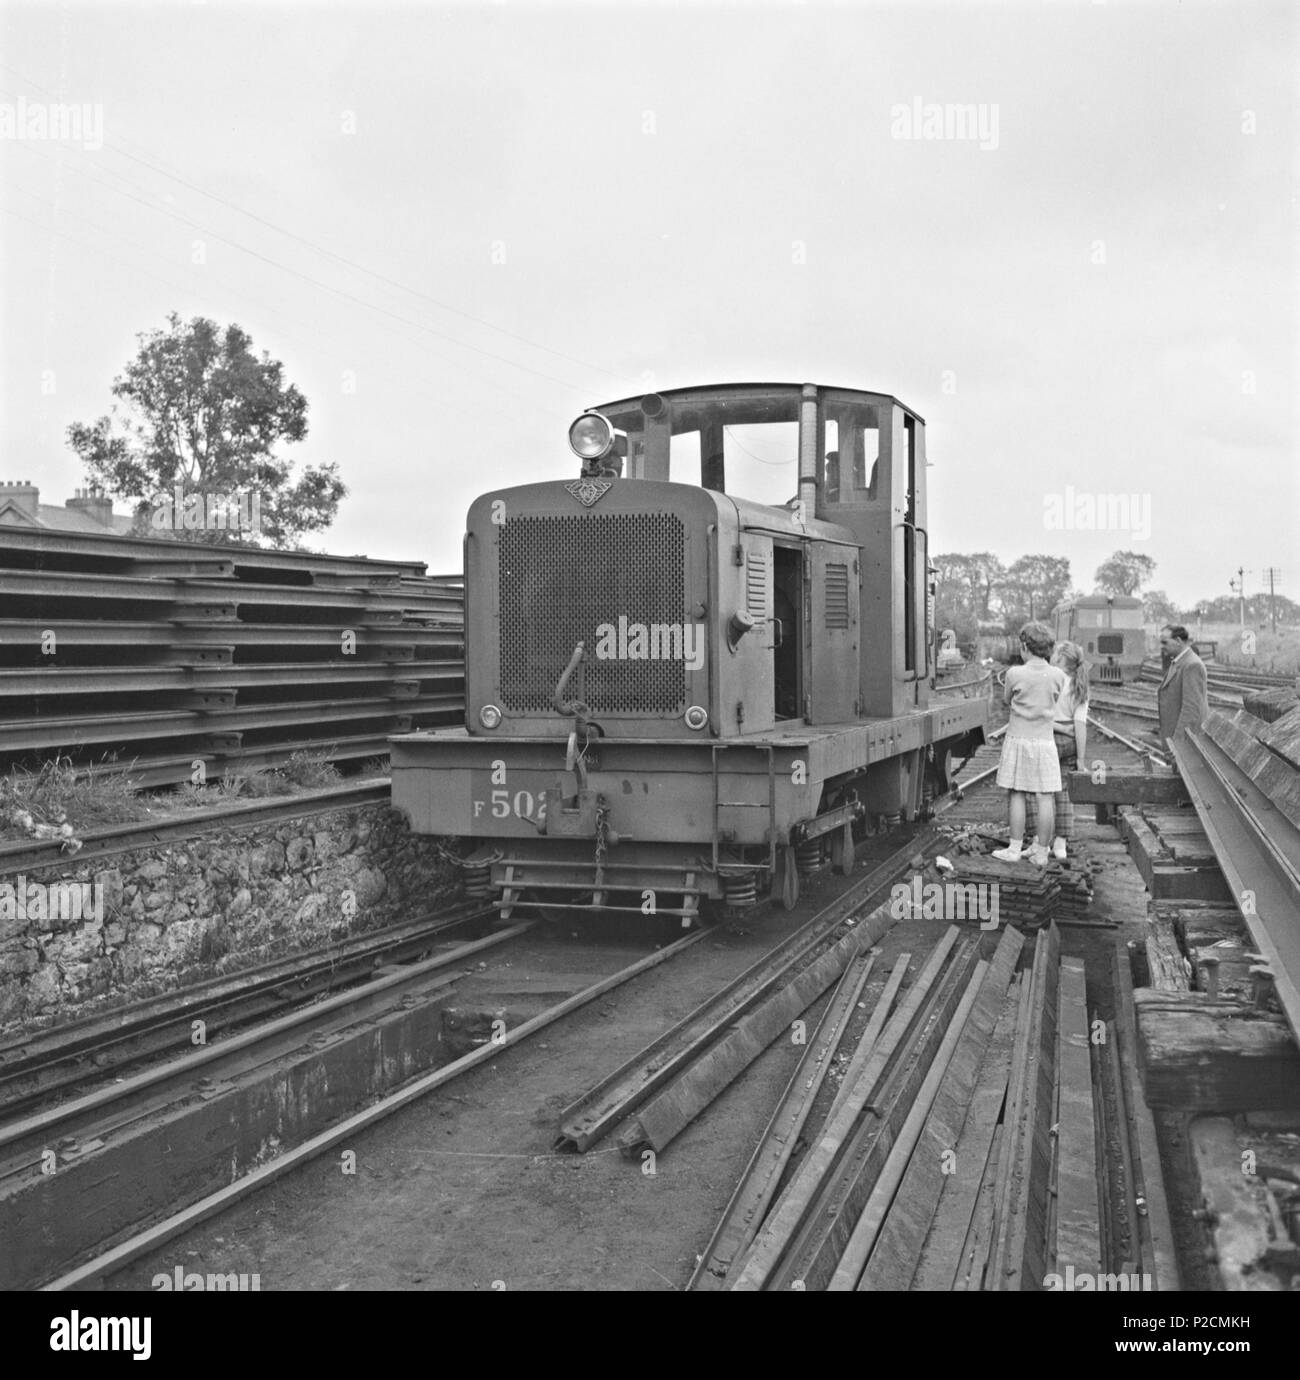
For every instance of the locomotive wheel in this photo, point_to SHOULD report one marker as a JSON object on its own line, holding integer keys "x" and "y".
{"x": 786, "y": 882}
{"x": 557, "y": 913}
{"x": 842, "y": 851}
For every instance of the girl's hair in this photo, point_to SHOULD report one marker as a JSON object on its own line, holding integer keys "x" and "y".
{"x": 1070, "y": 657}
{"x": 1037, "y": 637}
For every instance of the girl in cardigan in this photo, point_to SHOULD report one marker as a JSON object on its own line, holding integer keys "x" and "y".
{"x": 1029, "y": 762}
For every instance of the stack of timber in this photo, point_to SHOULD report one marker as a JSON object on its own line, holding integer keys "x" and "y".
{"x": 147, "y": 655}
{"x": 1212, "y": 1035}
{"x": 1194, "y": 947}
{"x": 1026, "y": 894}
{"x": 1074, "y": 877}
{"x": 962, "y": 1148}
{"x": 1173, "y": 853}
{"x": 1271, "y": 705}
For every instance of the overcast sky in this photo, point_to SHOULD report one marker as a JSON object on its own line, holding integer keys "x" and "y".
{"x": 459, "y": 225}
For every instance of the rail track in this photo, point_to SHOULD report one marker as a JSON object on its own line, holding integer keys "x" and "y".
{"x": 412, "y": 987}
{"x": 37, "y": 1068}
{"x": 1231, "y": 677}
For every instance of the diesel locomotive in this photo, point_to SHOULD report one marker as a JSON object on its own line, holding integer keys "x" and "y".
{"x": 1109, "y": 629}
{"x": 678, "y": 694}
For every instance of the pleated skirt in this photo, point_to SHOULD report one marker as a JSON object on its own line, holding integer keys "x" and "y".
{"x": 1029, "y": 764}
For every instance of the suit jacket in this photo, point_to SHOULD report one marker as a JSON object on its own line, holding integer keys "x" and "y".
{"x": 1181, "y": 698}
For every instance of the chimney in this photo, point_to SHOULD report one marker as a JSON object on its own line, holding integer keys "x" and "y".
{"x": 24, "y": 495}
{"x": 95, "y": 504}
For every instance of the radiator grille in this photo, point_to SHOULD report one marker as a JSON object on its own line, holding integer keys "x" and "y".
{"x": 837, "y": 596}
{"x": 561, "y": 578}
{"x": 1110, "y": 644}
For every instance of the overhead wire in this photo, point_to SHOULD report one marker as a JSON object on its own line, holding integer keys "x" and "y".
{"x": 175, "y": 284}
{"x": 122, "y": 146}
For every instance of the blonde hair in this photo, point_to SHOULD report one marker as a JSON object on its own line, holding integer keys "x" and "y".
{"x": 1069, "y": 655}
{"x": 1037, "y": 637}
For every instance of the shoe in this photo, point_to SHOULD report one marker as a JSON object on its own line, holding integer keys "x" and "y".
{"x": 1011, "y": 853}
{"x": 1038, "y": 855}
{"x": 1058, "y": 849}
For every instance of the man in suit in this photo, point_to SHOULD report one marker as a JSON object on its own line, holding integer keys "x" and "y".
{"x": 1181, "y": 698}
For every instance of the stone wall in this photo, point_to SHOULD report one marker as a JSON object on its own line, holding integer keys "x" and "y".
{"x": 177, "y": 913}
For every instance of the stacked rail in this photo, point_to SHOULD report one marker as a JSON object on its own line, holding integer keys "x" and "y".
{"x": 1243, "y": 776}
{"x": 148, "y": 656}
{"x": 1224, "y": 676}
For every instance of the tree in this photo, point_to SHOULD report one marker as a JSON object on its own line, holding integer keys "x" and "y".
{"x": 195, "y": 441}
{"x": 1033, "y": 586}
{"x": 964, "y": 591}
{"x": 1124, "y": 573}
{"x": 972, "y": 580}
{"x": 1158, "y": 607}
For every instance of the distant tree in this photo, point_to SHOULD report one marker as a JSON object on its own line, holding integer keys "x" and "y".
{"x": 1225, "y": 609}
{"x": 1124, "y": 573}
{"x": 965, "y": 587}
{"x": 1032, "y": 587}
{"x": 1158, "y": 607}
{"x": 976, "y": 577}
{"x": 200, "y": 421}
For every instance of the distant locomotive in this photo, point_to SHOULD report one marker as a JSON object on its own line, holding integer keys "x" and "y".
{"x": 1109, "y": 629}
{"x": 674, "y": 693}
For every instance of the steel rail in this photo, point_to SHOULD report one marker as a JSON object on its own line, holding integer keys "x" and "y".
{"x": 221, "y": 1002}
{"x": 50, "y": 585}
{"x": 114, "y": 546}
{"x": 127, "y": 1251}
{"x": 24, "y": 735}
{"x": 1258, "y": 852}
{"x": 618, "y": 1094}
{"x": 179, "y": 1073}
{"x": 757, "y": 1186}
{"x": 1141, "y": 749}
{"x": 1246, "y": 677}
{"x": 95, "y": 680}
{"x": 174, "y": 638}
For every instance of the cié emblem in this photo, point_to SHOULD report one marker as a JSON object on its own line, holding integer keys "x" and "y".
{"x": 588, "y": 491}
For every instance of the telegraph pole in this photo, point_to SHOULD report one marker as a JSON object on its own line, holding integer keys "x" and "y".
{"x": 1274, "y": 576}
